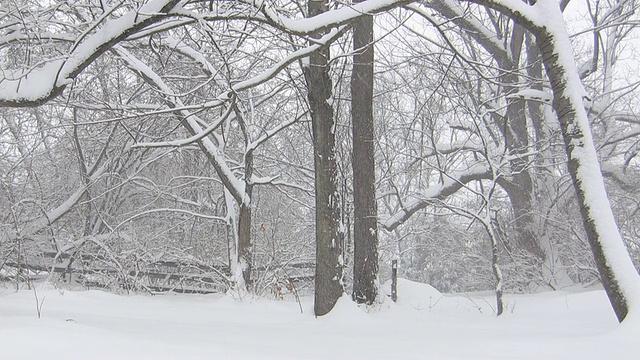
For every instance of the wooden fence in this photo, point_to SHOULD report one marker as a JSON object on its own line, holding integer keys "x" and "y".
{"x": 99, "y": 271}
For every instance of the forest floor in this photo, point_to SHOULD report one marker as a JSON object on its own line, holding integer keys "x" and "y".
{"x": 423, "y": 324}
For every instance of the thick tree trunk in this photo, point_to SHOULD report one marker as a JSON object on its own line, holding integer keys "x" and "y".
{"x": 520, "y": 186}
{"x": 365, "y": 230}
{"x": 329, "y": 236}
{"x": 618, "y": 275}
{"x": 520, "y": 192}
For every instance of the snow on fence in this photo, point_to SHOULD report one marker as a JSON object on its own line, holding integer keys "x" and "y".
{"x": 99, "y": 271}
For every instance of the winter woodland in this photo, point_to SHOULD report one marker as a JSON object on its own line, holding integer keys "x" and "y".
{"x": 285, "y": 149}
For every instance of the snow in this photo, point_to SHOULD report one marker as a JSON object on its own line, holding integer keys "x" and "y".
{"x": 416, "y": 295}
{"x": 222, "y": 168}
{"x": 434, "y": 192}
{"x": 262, "y": 179}
{"x": 531, "y": 94}
{"x": 327, "y": 19}
{"x": 180, "y": 46}
{"x": 422, "y": 324}
{"x": 34, "y": 83}
{"x": 485, "y": 33}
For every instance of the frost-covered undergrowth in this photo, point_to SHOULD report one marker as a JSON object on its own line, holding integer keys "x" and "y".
{"x": 423, "y": 324}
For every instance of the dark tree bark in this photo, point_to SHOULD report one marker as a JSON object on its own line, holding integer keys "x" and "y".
{"x": 513, "y": 127}
{"x": 514, "y": 130}
{"x": 244, "y": 247}
{"x": 244, "y": 223}
{"x": 329, "y": 237}
{"x": 365, "y": 229}
{"x": 519, "y": 187}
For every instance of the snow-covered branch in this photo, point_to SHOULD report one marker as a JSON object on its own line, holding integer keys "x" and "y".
{"x": 454, "y": 12}
{"x": 520, "y": 11}
{"x": 192, "y": 122}
{"x": 436, "y": 193}
{"x": 36, "y": 86}
{"x": 267, "y": 134}
{"x": 45, "y": 81}
{"x": 54, "y": 215}
{"x": 531, "y": 95}
{"x": 190, "y": 52}
{"x": 329, "y": 19}
{"x": 190, "y": 140}
{"x": 180, "y": 211}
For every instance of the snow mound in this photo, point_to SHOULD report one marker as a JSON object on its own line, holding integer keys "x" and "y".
{"x": 414, "y": 294}
{"x": 346, "y": 309}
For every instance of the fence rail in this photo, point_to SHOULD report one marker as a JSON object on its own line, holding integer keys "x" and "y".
{"x": 98, "y": 271}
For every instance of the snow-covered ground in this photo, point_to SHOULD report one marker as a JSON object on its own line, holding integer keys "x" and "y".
{"x": 422, "y": 325}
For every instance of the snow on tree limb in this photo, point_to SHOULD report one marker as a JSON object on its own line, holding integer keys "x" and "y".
{"x": 437, "y": 193}
{"x": 283, "y": 63}
{"x": 31, "y": 87}
{"x": 617, "y": 272}
{"x": 240, "y": 86}
{"x": 262, "y": 180}
{"x": 531, "y": 95}
{"x": 519, "y": 11}
{"x": 258, "y": 79}
{"x": 272, "y": 132}
{"x": 235, "y": 186}
{"x": 192, "y": 121}
{"x": 190, "y": 140}
{"x": 170, "y": 210}
{"x": 325, "y": 20}
{"x": 58, "y": 212}
{"x": 453, "y": 11}
{"x": 36, "y": 86}
{"x": 179, "y": 46}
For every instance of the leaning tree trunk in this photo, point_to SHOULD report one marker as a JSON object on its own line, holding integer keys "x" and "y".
{"x": 554, "y": 272}
{"x": 618, "y": 275}
{"x": 329, "y": 237}
{"x": 365, "y": 229}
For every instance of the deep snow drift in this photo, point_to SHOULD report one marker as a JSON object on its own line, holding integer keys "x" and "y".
{"x": 423, "y": 325}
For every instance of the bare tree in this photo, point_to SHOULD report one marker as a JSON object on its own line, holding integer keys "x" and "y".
{"x": 618, "y": 275}
{"x": 204, "y": 103}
